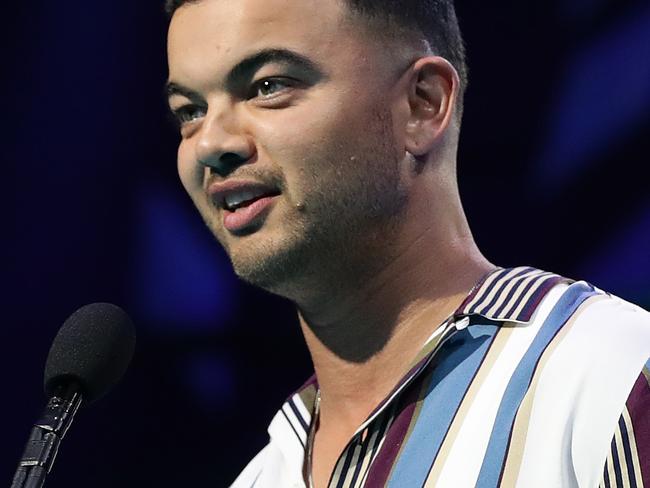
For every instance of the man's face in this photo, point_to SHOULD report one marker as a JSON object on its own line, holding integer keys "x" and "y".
{"x": 294, "y": 162}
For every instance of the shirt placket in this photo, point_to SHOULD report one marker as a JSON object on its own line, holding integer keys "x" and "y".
{"x": 355, "y": 461}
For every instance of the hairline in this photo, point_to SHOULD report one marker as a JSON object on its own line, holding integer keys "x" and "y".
{"x": 385, "y": 30}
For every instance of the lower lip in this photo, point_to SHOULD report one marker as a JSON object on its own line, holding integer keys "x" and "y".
{"x": 246, "y": 216}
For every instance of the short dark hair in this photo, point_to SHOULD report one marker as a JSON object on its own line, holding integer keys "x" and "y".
{"x": 435, "y": 19}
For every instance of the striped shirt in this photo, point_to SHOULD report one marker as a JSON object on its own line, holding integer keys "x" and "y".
{"x": 535, "y": 381}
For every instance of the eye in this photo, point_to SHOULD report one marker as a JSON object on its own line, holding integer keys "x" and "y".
{"x": 188, "y": 113}
{"x": 270, "y": 87}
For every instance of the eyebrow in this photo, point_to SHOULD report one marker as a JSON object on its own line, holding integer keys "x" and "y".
{"x": 245, "y": 69}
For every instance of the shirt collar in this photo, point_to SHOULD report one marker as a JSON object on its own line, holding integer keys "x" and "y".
{"x": 509, "y": 295}
{"x": 504, "y": 295}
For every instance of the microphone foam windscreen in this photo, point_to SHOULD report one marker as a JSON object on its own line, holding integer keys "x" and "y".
{"x": 93, "y": 347}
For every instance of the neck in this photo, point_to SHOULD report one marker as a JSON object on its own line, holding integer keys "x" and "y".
{"x": 363, "y": 339}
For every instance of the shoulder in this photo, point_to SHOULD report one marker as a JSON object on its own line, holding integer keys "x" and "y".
{"x": 599, "y": 349}
{"x": 599, "y": 345}
{"x": 598, "y": 328}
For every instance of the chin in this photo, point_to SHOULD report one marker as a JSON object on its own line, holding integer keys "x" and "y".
{"x": 276, "y": 270}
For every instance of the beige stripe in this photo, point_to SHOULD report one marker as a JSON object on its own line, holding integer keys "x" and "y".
{"x": 610, "y": 470}
{"x": 507, "y": 309}
{"x": 633, "y": 450}
{"x": 353, "y": 464}
{"x": 521, "y": 282}
{"x": 527, "y": 296}
{"x": 369, "y": 458}
{"x": 500, "y": 340}
{"x": 515, "y": 452}
{"x": 381, "y": 443}
{"x": 308, "y": 398}
{"x": 486, "y": 285}
{"x": 363, "y": 472}
{"x": 622, "y": 462}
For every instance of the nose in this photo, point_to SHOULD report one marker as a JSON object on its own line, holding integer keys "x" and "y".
{"x": 223, "y": 148}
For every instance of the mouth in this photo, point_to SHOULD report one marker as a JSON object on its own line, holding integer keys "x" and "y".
{"x": 244, "y": 204}
{"x": 232, "y": 202}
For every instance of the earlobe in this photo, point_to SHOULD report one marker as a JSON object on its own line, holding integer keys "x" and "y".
{"x": 432, "y": 100}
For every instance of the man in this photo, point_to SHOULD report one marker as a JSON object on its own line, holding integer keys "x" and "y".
{"x": 318, "y": 142}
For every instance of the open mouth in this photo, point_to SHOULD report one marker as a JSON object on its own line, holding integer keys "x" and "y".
{"x": 245, "y": 215}
{"x": 241, "y": 199}
{"x": 245, "y": 204}
{"x": 236, "y": 200}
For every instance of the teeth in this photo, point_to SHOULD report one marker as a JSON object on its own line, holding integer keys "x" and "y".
{"x": 235, "y": 199}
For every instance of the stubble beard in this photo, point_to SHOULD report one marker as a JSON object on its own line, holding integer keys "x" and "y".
{"x": 342, "y": 229}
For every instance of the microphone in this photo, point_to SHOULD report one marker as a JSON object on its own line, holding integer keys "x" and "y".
{"x": 88, "y": 356}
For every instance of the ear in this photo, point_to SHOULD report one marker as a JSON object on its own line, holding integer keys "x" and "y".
{"x": 432, "y": 96}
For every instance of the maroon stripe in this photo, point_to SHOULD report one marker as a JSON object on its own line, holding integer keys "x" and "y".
{"x": 638, "y": 404}
{"x": 531, "y": 306}
{"x": 395, "y": 437}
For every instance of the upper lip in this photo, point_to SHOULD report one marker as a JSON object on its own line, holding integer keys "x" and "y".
{"x": 218, "y": 191}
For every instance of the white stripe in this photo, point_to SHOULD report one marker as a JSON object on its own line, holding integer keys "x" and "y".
{"x": 502, "y": 296}
{"x": 530, "y": 292}
{"x": 633, "y": 450}
{"x": 378, "y": 440}
{"x": 518, "y": 297}
{"x": 581, "y": 392}
{"x": 295, "y": 422}
{"x": 610, "y": 469}
{"x": 622, "y": 461}
{"x": 353, "y": 464}
{"x": 302, "y": 409}
{"x": 466, "y": 454}
{"x": 490, "y": 279}
{"x": 287, "y": 452}
{"x": 338, "y": 469}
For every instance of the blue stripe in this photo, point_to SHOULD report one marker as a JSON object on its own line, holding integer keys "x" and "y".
{"x": 450, "y": 379}
{"x": 493, "y": 461}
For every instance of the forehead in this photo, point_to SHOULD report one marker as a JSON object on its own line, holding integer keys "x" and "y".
{"x": 254, "y": 18}
{"x": 220, "y": 32}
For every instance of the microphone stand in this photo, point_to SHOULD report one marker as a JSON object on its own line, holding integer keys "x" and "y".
{"x": 46, "y": 436}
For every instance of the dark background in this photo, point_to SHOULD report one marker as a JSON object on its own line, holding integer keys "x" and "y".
{"x": 553, "y": 172}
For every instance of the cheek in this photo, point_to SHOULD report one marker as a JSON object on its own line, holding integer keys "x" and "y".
{"x": 189, "y": 171}
{"x": 318, "y": 129}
